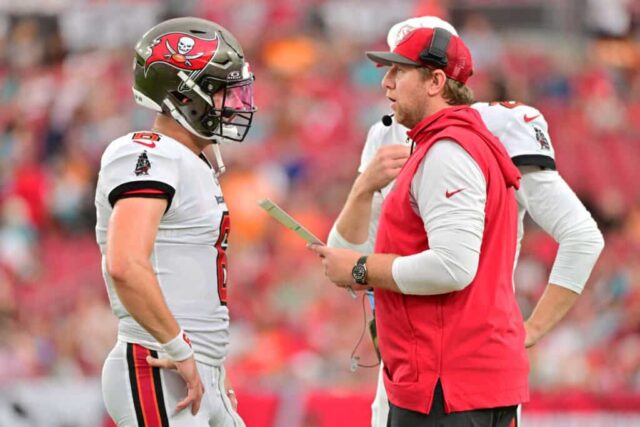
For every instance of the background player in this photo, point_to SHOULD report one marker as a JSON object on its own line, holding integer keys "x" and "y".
{"x": 543, "y": 194}
{"x": 163, "y": 225}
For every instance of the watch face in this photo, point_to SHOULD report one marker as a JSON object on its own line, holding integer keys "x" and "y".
{"x": 359, "y": 273}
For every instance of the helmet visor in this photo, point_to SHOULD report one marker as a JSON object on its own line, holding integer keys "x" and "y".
{"x": 237, "y": 98}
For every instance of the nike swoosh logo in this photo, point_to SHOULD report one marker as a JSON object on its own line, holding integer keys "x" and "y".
{"x": 451, "y": 193}
{"x": 528, "y": 119}
{"x": 146, "y": 144}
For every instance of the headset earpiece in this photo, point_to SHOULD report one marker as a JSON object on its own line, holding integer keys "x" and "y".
{"x": 436, "y": 54}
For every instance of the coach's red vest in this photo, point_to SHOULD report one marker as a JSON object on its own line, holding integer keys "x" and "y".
{"x": 473, "y": 339}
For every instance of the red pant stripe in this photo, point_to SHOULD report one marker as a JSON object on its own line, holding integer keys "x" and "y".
{"x": 150, "y": 412}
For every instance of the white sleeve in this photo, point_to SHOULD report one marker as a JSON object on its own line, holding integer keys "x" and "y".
{"x": 557, "y": 210}
{"x": 132, "y": 170}
{"x": 450, "y": 193}
{"x": 371, "y": 145}
{"x": 336, "y": 240}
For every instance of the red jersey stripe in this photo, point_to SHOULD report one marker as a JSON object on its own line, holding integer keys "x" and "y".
{"x": 143, "y": 191}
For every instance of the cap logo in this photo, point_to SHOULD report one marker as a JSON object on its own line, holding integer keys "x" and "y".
{"x": 402, "y": 34}
{"x": 182, "y": 51}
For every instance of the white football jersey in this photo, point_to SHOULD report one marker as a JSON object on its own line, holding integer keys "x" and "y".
{"x": 189, "y": 253}
{"x": 521, "y": 128}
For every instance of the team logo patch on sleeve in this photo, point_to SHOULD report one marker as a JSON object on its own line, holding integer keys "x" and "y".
{"x": 143, "y": 165}
{"x": 542, "y": 139}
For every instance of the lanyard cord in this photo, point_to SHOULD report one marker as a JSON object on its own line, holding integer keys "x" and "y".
{"x": 355, "y": 359}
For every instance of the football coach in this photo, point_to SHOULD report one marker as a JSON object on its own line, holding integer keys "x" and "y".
{"x": 451, "y": 335}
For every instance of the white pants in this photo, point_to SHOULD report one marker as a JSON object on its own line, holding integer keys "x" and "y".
{"x": 137, "y": 395}
{"x": 380, "y": 405}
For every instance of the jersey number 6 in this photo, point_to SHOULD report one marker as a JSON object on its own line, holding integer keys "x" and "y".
{"x": 221, "y": 260}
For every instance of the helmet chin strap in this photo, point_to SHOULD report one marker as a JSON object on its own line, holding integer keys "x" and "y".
{"x": 220, "y": 167}
{"x": 230, "y": 131}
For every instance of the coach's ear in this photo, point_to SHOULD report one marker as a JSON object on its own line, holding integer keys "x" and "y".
{"x": 436, "y": 82}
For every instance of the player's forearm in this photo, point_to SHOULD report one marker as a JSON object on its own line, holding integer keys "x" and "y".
{"x": 138, "y": 290}
{"x": 554, "y": 304}
{"x": 353, "y": 221}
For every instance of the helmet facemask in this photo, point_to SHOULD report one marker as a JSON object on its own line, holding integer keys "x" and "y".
{"x": 231, "y": 114}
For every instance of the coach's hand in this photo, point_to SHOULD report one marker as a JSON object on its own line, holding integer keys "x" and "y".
{"x": 338, "y": 264}
{"x": 383, "y": 168}
{"x": 189, "y": 372}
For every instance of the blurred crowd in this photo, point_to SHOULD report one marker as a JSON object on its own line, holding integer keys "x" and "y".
{"x": 65, "y": 94}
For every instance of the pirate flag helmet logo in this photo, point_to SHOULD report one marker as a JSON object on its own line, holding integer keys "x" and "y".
{"x": 195, "y": 71}
{"x": 183, "y": 51}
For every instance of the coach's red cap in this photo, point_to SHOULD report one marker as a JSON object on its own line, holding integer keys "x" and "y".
{"x": 413, "y": 50}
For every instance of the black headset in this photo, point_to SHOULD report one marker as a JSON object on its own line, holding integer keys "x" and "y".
{"x": 436, "y": 54}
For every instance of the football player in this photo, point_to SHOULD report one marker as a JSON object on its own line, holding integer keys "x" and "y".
{"x": 543, "y": 193}
{"x": 163, "y": 225}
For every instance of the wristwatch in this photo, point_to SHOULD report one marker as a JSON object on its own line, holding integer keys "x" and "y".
{"x": 359, "y": 271}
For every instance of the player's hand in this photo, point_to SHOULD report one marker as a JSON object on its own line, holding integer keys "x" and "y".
{"x": 232, "y": 398}
{"x": 531, "y": 335}
{"x": 189, "y": 372}
{"x": 228, "y": 388}
{"x": 338, "y": 264}
{"x": 384, "y": 167}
